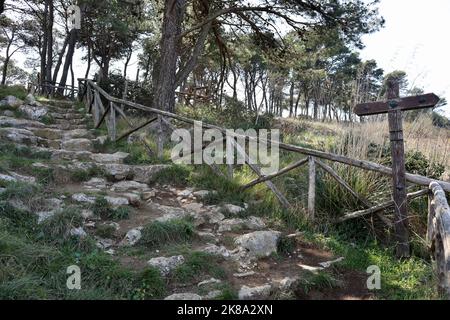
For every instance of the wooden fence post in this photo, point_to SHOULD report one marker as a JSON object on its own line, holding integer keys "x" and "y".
{"x": 112, "y": 122}
{"x": 312, "y": 189}
{"x": 160, "y": 142}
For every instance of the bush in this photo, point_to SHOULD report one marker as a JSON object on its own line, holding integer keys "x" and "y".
{"x": 150, "y": 285}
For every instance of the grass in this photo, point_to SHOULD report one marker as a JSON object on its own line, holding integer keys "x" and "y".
{"x": 316, "y": 281}
{"x": 81, "y": 175}
{"x": 104, "y": 210}
{"x": 175, "y": 175}
{"x": 151, "y": 285}
{"x": 17, "y": 91}
{"x": 174, "y": 231}
{"x": 196, "y": 266}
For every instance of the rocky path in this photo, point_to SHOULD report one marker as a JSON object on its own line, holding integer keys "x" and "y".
{"x": 247, "y": 247}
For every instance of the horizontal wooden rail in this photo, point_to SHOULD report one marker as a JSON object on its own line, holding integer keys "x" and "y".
{"x": 363, "y": 164}
{"x": 380, "y": 207}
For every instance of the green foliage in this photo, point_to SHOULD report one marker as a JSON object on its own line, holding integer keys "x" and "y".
{"x": 286, "y": 246}
{"x": 81, "y": 175}
{"x": 105, "y": 231}
{"x": 17, "y": 91}
{"x": 175, "y": 175}
{"x": 317, "y": 281}
{"x": 173, "y": 231}
{"x": 196, "y": 265}
{"x": 440, "y": 120}
{"x": 417, "y": 163}
{"x": 58, "y": 226}
{"x": 104, "y": 210}
{"x": 226, "y": 191}
{"x": 150, "y": 285}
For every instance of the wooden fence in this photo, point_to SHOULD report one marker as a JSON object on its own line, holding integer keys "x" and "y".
{"x": 106, "y": 109}
{"x": 50, "y": 89}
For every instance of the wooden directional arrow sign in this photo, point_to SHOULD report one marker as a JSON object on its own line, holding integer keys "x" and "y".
{"x": 403, "y": 104}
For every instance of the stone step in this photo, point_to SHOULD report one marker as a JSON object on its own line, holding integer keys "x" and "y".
{"x": 113, "y": 171}
{"x": 68, "y": 126}
{"x": 28, "y": 138}
{"x": 67, "y": 115}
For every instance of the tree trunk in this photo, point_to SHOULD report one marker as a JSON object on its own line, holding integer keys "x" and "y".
{"x": 165, "y": 90}
{"x": 69, "y": 57}
{"x": 89, "y": 61}
{"x": 60, "y": 58}
{"x": 49, "y": 64}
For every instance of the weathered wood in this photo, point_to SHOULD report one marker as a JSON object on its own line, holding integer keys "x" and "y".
{"x": 284, "y": 202}
{"x": 438, "y": 235}
{"x": 160, "y": 141}
{"x": 312, "y": 189}
{"x": 146, "y": 123}
{"x": 399, "y": 171}
{"x": 379, "y": 207}
{"x": 277, "y": 174}
{"x": 230, "y": 171}
{"x": 363, "y": 164}
{"x": 402, "y": 104}
{"x": 105, "y": 112}
{"x": 347, "y": 187}
{"x": 112, "y": 122}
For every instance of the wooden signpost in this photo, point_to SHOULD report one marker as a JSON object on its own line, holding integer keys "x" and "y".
{"x": 394, "y": 107}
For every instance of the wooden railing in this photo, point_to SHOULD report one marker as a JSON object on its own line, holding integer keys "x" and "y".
{"x": 105, "y": 109}
{"x": 50, "y": 89}
{"x": 438, "y": 234}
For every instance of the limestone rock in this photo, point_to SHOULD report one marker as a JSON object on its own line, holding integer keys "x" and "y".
{"x": 17, "y": 135}
{"x": 11, "y": 102}
{"x": 117, "y": 201}
{"x": 117, "y": 157}
{"x": 208, "y": 282}
{"x": 33, "y": 112}
{"x": 19, "y": 123}
{"x": 126, "y": 186}
{"x": 78, "y": 232}
{"x": 255, "y": 293}
{"x": 213, "y": 295}
{"x": 45, "y": 215}
{"x": 184, "y": 296}
{"x": 77, "y": 145}
{"x": 133, "y": 198}
{"x": 83, "y": 198}
{"x": 46, "y": 133}
{"x": 96, "y": 183}
{"x": 233, "y": 209}
{"x": 216, "y": 251}
{"x": 259, "y": 243}
{"x": 166, "y": 265}
{"x": 133, "y": 236}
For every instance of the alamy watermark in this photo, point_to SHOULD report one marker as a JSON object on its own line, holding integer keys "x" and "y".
{"x": 374, "y": 280}
{"x": 74, "y": 280}
{"x": 235, "y": 147}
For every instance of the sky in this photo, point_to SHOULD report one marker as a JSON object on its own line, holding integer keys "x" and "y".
{"x": 415, "y": 39}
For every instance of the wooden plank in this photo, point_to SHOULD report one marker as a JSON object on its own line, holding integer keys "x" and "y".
{"x": 126, "y": 134}
{"x": 160, "y": 138}
{"x": 279, "y": 173}
{"x": 284, "y": 202}
{"x": 230, "y": 171}
{"x": 409, "y": 103}
{"x": 438, "y": 235}
{"x": 312, "y": 189}
{"x": 105, "y": 112}
{"x": 399, "y": 172}
{"x": 347, "y": 187}
{"x": 380, "y": 207}
{"x": 363, "y": 164}
{"x": 112, "y": 122}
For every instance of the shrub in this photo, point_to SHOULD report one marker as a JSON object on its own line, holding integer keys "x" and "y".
{"x": 197, "y": 264}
